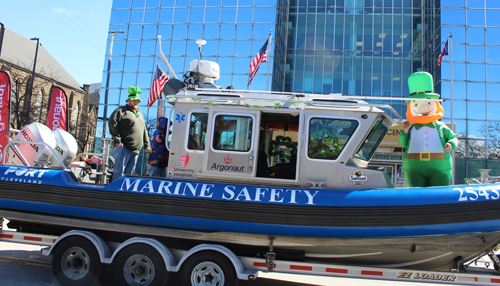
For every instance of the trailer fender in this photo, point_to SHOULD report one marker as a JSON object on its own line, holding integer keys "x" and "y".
{"x": 165, "y": 253}
{"x": 238, "y": 267}
{"x": 100, "y": 245}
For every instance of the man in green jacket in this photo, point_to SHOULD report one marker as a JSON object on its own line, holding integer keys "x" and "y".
{"x": 129, "y": 132}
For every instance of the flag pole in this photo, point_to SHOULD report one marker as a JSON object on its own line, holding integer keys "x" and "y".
{"x": 450, "y": 38}
{"x": 269, "y": 56}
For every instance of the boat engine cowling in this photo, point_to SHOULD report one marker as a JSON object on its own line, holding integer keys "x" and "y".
{"x": 66, "y": 148}
{"x": 34, "y": 154}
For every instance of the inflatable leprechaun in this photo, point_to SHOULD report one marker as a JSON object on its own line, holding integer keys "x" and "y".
{"x": 428, "y": 142}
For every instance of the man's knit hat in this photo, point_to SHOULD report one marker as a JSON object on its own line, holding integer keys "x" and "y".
{"x": 133, "y": 93}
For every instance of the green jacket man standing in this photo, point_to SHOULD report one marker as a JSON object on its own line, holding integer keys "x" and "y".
{"x": 130, "y": 134}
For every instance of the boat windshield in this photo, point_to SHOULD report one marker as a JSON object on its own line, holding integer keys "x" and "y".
{"x": 377, "y": 134}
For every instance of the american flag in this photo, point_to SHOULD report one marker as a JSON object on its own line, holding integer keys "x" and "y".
{"x": 444, "y": 52}
{"x": 157, "y": 86}
{"x": 261, "y": 57}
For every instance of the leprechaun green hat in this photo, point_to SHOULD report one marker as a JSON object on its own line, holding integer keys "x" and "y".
{"x": 133, "y": 93}
{"x": 421, "y": 85}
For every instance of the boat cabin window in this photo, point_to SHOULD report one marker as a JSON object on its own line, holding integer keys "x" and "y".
{"x": 327, "y": 137}
{"x": 197, "y": 131}
{"x": 371, "y": 142}
{"x": 233, "y": 133}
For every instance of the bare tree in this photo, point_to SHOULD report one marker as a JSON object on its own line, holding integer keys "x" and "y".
{"x": 491, "y": 132}
{"x": 21, "y": 97}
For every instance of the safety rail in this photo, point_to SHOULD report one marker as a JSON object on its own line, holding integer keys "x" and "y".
{"x": 485, "y": 178}
{"x": 14, "y": 148}
{"x": 339, "y": 102}
{"x": 103, "y": 164}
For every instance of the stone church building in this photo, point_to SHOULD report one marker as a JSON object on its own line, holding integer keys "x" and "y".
{"x": 16, "y": 58}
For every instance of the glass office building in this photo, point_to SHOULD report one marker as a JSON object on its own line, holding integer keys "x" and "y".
{"x": 352, "y": 47}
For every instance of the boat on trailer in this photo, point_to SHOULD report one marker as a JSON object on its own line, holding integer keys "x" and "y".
{"x": 264, "y": 170}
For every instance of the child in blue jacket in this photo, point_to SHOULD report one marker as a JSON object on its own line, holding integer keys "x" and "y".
{"x": 158, "y": 156}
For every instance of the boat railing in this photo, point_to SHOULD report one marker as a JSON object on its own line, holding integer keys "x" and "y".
{"x": 12, "y": 146}
{"x": 336, "y": 102}
{"x": 102, "y": 165}
{"x": 485, "y": 178}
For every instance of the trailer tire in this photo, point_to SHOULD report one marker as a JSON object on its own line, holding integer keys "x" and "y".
{"x": 140, "y": 264}
{"x": 208, "y": 268}
{"x": 76, "y": 262}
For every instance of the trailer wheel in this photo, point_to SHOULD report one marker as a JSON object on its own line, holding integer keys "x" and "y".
{"x": 208, "y": 268}
{"x": 140, "y": 265}
{"x": 76, "y": 262}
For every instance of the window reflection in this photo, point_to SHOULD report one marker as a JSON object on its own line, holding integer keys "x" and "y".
{"x": 492, "y": 17}
{"x": 327, "y": 137}
{"x": 197, "y": 131}
{"x": 243, "y": 31}
{"x": 165, "y": 31}
{"x": 475, "y": 17}
{"x": 116, "y": 63}
{"x": 245, "y": 15}
{"x": 180, "y": 32}
{"x": 226, "y": 48}
{"x": 119, "y": 16}
{"x": 212, "y": 15}
{"x": 233, "y": 133}
{"x": 133, "y": 48}
{"x": 149, "y": 32}
{"x": 228, "y": 15}
{"x": 136, "y": 16}
{"x": 153, "y": 3}
{"x": 181, "y": 15}
{"x": 118, "y": 48}
{"x": 241, "y": 65}
{"x": 151, "y": 16}
{"x": 476, "y": 72}
{"x": 493, "y": 36}
{"x": 211, "y": 32}
{"x": 476, "y": 91}
{"x": 210, "y": 49}
{"x": 138, "y": 3}
{"x": 493, "y": 73}
{"x": 493, "y": 108}
{"x": 242, "y": 48}
{"x": 195, "y": 32}
{"x": 197, "y": 15}
{"x": 166, "y": 15}
{"x": 178, "y": 48}
{"x": 146, "y": 64}
{"x": 121, "y": 4}
{"x": 131, "y": 64}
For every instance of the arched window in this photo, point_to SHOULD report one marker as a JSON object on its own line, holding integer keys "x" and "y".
{"x": 70, "y": 113}
{"x": 37, "y": 116}
{"x": 77, "y": 119}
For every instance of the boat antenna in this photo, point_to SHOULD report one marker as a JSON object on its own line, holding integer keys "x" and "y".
{"x": 200, "y": 43}
{"x": 164, "y": 59}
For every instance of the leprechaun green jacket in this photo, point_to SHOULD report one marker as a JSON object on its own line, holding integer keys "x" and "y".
{"x": 127, "y": 126}
{"x": 445, "y": 134}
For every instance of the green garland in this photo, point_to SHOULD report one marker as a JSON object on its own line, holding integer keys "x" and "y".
{"x": 280, "y": 141}
{"x": 317, "y": 148}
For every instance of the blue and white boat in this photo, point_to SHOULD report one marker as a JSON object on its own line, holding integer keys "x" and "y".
{"x": 258, "y": 169}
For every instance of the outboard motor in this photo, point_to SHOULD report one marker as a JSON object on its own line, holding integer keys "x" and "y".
{"x": 35, "y": 154}
{"x": 66, "y": 148}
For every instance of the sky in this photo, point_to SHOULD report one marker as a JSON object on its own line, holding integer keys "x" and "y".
{"x": 73, "y": 32}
